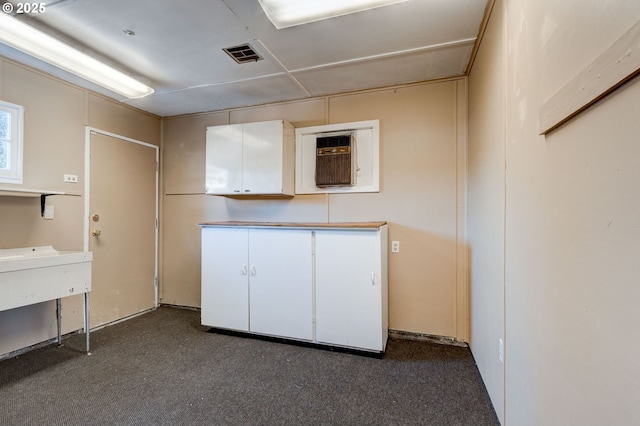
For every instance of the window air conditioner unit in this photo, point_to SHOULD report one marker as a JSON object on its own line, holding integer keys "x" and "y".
{"x": 335, "y": 159}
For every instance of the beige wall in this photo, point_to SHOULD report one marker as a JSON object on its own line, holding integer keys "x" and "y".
{"x": 54, "y": 138}
{"x": 420, "y": 149}
{"x": 486, "y": 202}
{"x": 572, "y": 214}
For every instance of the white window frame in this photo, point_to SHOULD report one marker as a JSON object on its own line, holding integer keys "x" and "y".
{"x": 14, "y": 173}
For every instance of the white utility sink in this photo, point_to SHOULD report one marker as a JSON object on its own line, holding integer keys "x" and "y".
{"x": 38, "y": 274}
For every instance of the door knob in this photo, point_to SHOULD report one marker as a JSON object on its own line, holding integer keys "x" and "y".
{"x": 96, "y": 232}
{"x": 95, "y": 217}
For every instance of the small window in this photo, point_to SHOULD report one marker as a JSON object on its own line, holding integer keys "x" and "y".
{"x": 10, "y": 142}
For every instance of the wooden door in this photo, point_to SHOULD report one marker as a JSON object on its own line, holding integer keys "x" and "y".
{"x": 122, "y": 227}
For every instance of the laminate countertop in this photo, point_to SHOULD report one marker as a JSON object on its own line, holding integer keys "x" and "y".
{"x": 316, "y": 225}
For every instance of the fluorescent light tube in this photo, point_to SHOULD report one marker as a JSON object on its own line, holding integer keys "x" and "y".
{"x": 289, "y": 13}
{"x": 46, "y": 48}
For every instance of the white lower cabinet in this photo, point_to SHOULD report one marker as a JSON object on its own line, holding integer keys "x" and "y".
{"x": 322, "y": 285}
{"x": 351, "y": 288}
{"x": 257, "y": 280}
{"x": 225, "y": 278}
{"x": 280, "y": 283}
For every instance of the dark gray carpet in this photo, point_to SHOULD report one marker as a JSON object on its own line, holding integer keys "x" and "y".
{"x": 164, "y": 368}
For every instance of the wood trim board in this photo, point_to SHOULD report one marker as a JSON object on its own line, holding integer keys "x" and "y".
{"x": 614, "y": 67}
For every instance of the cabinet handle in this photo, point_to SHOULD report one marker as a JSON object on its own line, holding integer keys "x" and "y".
{"x": 236, "y": 190}
{"x": 244, "y": 270}
{"x": 247, "y": 190}
{"x": 253, "y": 270}
{"x": 373, "y": 278}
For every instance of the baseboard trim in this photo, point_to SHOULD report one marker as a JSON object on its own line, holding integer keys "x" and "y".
{"x": 442, "y": 340}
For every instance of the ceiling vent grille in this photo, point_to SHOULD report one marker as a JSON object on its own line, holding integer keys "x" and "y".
{"x": 242, "y": 53}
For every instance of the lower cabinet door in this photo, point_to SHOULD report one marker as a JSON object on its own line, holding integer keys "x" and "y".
{"x": 349, "y": 289}
{"x": 225, "y": 278}
{"x": 281, "y": 274}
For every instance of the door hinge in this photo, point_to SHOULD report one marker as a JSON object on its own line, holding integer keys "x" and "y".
{"x": 155, "y": 282}
{"x": 156, "y": 223}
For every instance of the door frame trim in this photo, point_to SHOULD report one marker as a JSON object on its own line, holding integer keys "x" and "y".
{"x": 87, "y": 187}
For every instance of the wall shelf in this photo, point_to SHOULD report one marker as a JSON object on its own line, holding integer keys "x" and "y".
{"x": 8, "y": 191}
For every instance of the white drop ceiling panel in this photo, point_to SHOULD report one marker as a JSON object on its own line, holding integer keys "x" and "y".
{"x": 275, "y": 88}
{"x": 177, "y": 48}
{"x": 385, "y": 30}
{"x": 380, "y": 72}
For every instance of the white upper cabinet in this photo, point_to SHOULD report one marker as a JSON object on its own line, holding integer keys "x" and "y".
{"x": 224, "y": 159}
{"x": 250, "y": 159}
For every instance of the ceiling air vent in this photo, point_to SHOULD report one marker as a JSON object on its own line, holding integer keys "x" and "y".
{"x": 242, "y": 53}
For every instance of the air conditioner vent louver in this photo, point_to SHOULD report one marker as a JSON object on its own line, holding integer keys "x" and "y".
{"x": 242, "y": 53}
{"x": 335, "y": 159}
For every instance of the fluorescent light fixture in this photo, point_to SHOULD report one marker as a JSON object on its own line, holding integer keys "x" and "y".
{"x": 289, "y": 13}
{"x": 46, "y": 48}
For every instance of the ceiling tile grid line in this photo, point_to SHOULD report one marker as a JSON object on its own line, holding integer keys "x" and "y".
{"x": 416, "y": 50}
{"x": 293, "y": 79}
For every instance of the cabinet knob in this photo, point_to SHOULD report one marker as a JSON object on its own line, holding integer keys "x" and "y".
{"x": 253, "y": 270}
{"x": 244, "y": 270}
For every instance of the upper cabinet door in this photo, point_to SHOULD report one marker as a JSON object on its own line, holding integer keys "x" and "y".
{"x": 262, "y": 157}
{"x": 224, "y": 160}
{"x": 250, "y": 159}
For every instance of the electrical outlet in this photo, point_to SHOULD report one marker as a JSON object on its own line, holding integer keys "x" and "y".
{"x": 71, "y": 178}
{"x": 395, "y": 246}
{"x": 48, "y": 212}
{"x": 501, "y": 350}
